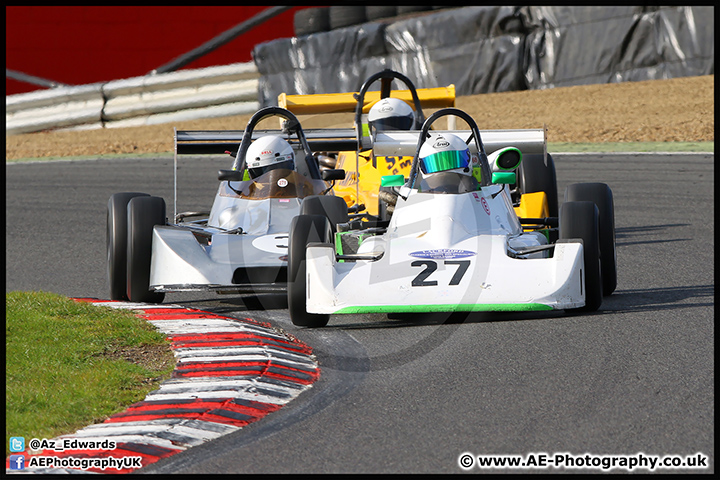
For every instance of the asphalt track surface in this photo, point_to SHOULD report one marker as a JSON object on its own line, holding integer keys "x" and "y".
{"x": 400, "y": 396}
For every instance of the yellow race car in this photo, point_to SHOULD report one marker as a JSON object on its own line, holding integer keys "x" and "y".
{"x": 534, "y": 194}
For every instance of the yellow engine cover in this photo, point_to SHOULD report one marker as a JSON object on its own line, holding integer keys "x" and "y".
{"x": 369, "y": 177}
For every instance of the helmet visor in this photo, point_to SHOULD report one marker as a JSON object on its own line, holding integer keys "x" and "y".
{"x": 257, "y": 171}
{"x": 393, "y": 123}
{"x": 447, "y": 160}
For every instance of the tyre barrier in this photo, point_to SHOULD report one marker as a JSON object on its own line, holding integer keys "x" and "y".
{"x": 229, "y": 373}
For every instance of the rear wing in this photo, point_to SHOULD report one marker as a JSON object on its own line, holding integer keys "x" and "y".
{"x": 404, "y": 143}
{"x": 319, "y": 103}
{"x": 391, "y": 143}
{"x": 218, "y": 142}
{"x": 439, "y": 97}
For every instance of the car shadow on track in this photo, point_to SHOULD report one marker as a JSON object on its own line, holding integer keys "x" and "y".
{"x": 611, "y": 305}
{"x": 660, "y": 298}
{"x": 236, "y": 304}
{"x": 405, "y": 320}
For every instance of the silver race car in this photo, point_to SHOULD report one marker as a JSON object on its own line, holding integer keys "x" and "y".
{"x": 454, "y": 241}
{"x": 240, "y": 245}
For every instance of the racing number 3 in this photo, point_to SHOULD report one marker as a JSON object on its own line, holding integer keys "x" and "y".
{"x": 422, "y": 278}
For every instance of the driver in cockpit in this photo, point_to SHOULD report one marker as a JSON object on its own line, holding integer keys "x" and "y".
{"x": 268, "y": 153}
{"x": 446, "y": 165}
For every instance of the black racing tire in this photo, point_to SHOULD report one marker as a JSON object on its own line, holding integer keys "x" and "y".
{"x": 334, "y": 208}
{"x": 346, "y": 16}
{"x": 117, "y": 243}
{"x": 304, "y": 229}
{"x": 143, "y": 213}
{"x": 376, "y": 12}
{"x": 581, "y": 220}
{"x": 601, "y": 195}
{"x": 535, "y": 176}
{"x": 311, "y": 20}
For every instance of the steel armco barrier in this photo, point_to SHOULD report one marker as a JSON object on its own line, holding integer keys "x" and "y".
{"x": 152, "y": 99}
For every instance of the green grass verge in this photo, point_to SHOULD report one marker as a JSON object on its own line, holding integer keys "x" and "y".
{"x": 69, "y": 364}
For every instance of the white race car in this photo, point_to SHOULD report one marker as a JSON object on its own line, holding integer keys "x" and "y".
{"x": 454, "y": 242}
{"x": 240, "y": 245}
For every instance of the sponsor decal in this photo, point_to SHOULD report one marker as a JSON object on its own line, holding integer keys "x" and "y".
{"x": 282, "y": 183}
{"x": 442, "y": 253}
{"x": 441, "y": 143}
{"x": 485, "y": 205}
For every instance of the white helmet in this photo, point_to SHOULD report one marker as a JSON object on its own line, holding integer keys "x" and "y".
{"x": 391, "y": 114}
{"x": 268, "y": 153}
{"x": 443, "y": 152}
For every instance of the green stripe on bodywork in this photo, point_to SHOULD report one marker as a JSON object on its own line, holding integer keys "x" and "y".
{"x": 490, "y": 307}
{"x": 338, "y": 243}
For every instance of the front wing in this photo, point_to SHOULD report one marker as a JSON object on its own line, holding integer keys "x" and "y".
{"x": 403, "y": 284}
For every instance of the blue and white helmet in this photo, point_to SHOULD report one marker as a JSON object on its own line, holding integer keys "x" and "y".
{"x": 268, "y": 153}
{"x": 391, "y": 114}
{"x": 443, "y": 152}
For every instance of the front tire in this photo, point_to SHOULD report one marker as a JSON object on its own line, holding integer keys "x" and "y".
{"x": 601, "y": 195}
{"x": 580, "y": 220}
{"x": 143, "y": 213}
{"x": 117, "y": 234}
{"x": 304, "y": 229}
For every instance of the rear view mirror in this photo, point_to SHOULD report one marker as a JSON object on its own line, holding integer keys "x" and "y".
{"x": 230, "y": 175}
{"x": 392, "y": 181}
{"x": 333, "y": 174}
{"x": 507, "y": 178}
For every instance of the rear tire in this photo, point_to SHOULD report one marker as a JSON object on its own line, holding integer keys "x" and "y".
{"x": 117, "y": 243}
{"x": 535, "y": 176}
{"x": 601, "y": 195}
{"x": 581, "y": 220}
{"x": 143, "y": 213}
{"x": 304, "y": 229}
